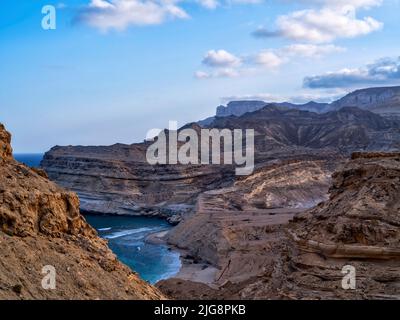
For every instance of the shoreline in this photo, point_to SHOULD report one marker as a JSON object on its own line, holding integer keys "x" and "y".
{"x": 191, "y": 269}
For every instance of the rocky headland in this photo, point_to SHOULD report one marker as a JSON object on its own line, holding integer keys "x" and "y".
{"x": 40, "y": 225}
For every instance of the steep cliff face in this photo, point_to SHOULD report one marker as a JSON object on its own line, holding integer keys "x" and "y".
{"x": 273, "y": 257}
{"x": 118, "y": 180}
{"x": 40, "y": 225}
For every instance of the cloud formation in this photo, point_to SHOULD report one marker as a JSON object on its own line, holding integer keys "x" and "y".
{"x": 311, "y": 50}
{"x": 220, "y": 58}
{"x": 120, "y": 14}
{"x": 219, "y": 73}
{"x": 383, "y": 72}
{"x": 223, "y": 64}
{"x": 335, "y": 19}
{"x": 268, "y": 59}
{"x": 340, "y": 3}
{"x": 208, "y": 4}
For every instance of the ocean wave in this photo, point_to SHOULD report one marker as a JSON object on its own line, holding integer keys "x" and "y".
{"x": 124, "y": 233}
{"x": 104, "y": 229}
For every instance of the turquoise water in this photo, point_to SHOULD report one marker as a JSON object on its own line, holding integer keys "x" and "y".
{"x": 126, "y": 238}
{"x": 30, "y": 159}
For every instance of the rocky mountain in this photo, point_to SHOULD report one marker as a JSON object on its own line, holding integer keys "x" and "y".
{"x": 117, "y": 179}
{"x": 40, "y": 226}
{"x": 345, "y": 130}
{"x": 382, "y": 100}
{"x": 281, "y": 254}
{"x": 238, "y": 108}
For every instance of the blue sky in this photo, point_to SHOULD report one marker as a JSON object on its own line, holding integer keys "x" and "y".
{"x": 112, "y": 70}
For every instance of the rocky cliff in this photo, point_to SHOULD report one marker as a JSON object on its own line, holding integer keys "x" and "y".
{"x": 40, "y": 225}
{"x": 284, "y": 255}
{"x": 118, "y": 180}
{"x": 384, "y": 100}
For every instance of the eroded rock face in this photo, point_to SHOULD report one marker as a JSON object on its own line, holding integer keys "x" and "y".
{"x": 275, "y": 184}
{"x": 5, "y": 144}
{"x": 357, "y": 226}
{"x": 40, "y": 225}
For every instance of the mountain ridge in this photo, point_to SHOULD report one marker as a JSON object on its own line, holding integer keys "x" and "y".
{"x": 381, "y": 100}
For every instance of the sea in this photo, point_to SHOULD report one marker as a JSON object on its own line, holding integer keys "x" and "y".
{"x": 126, "y": 237}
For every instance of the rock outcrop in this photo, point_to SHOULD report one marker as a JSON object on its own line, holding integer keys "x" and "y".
{"x": 283, "y": 255}
{"x": 41, "y": 226}
{"x": 5, "y": 144}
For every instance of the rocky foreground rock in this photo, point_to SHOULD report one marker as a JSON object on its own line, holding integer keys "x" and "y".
{"x": 285, "y": 254}
{"x": 40, "y": 225}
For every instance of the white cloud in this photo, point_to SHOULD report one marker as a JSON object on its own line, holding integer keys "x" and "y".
{"x": 268, "y": 59}
{"x": 335, "y": 19}
{"x": 201, "y": 74}
{"x": 267, "y": 97}
{"x": 341, "y": 3}
{"x": 212, "y": 4}
{"x": 311, "y": 50}
{"x": 218, "y": 73}
{"x": 222, "y": 64}
{"x": 384, "y": 71}
{"x": 220, "y": 58}
{"x": 209, "y": 4}
{"x": 120, "y": 14}
{"x": 274, "y": 58}
{"x": 325, "y": 25}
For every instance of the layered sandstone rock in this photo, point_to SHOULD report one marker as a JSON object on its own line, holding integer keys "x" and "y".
{"x": 300, "y": 183}
{"x": 118, "y": 180}
{"x": 265, "y": 256}
{"x": 40, "y": 225}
